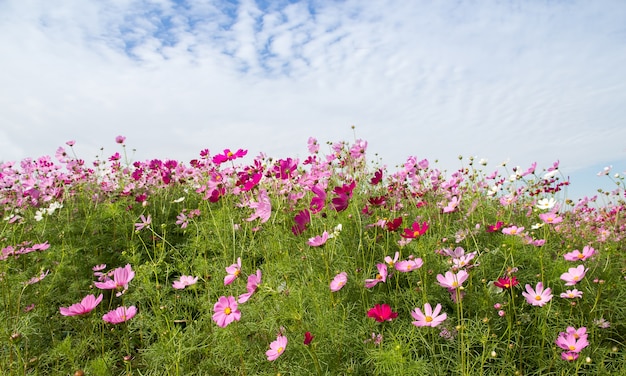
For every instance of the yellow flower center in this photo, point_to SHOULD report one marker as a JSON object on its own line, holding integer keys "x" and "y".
{"x": 227, "y": 310}
{"x": 379, "y": 277}
{"x": 280, "y": 350}
{"x": 572, "y": 347}
{"x": 537, "y": 297}
{"x": 428, "y": 319}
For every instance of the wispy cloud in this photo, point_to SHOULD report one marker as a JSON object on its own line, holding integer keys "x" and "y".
{"x": 529, "y": 81}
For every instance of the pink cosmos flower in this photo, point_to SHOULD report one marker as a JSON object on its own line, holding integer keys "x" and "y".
{"x": 277, "y": 348}
{"x": 513, "y": 230}
{"x": 451, "y": 280}
{"x": 538, "y": 296}
{"x": 38, "y": 278}
{"x": 571, "y": 294}
{"x": 382, "y": 313}
{"x": 318, "y": 240}
{"x": 226, "y": 311}
{"x": 574, "y": 275}
{"x": 391, "y": 262}
{"x": 184, "y": 281}
{"x": 572, "y": 341}
{"x": 576, "y": 255}
{"x": 254, "y": 280}
{"x": 551, "y": 218}
{"x": 380, "y": 277}
{"x": 120, "y": 139}
{"x": 263, "y": 207}
{"x": 233, "y": 272}
{"x": 339, "y": 281}
{"x": 86, "y": 305}
{"x": 119, "y": 315}
{"x": 145, "y": 222}
{"x": 428, "y": 317}
{"x": 405, "y": 266}
{"x": 121, "y": 278}
{"x": 570, "y": 356}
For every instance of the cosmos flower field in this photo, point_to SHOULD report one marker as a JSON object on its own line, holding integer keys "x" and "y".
{"x": 327, "y": 265}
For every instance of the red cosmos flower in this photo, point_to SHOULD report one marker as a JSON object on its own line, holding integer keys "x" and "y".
{"x": 308, "y": 337}
{"x": 382, "y": 313}
{"x": 506, "y": 282}
{"x": 378, "y": 177}
{"x": 394, "y": 224}
{"x": 415, "y": 231}
{"x": 229, "y": 156}
{"x": 378, "y": 200}
{"x": 496, "y": 227}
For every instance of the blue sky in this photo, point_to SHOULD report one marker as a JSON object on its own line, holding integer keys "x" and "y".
{"x": 518, "y": 81}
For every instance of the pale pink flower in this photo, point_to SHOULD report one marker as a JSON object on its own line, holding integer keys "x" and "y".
{"x": 571, "y": 294}
{"x": 569, "y": 356}
{"x": 254, "y": 280}
{"x": 233, "y": 272}
{"x": 574, "y": 275}
{"x": 451, "y": 280}
{"x": 429, "y": 317}
{"x": 184, "y": 281}
{"x": 119, "y": 315}
{"x": 577, "y": 255}
{"x": 339, "y": 281}
{"x": 513, "y": 230}
{"x": 551, "y": 218}
{"x": 406, "y": 266}
{"x": 391, "y": 262}
{"x": 226, "y": 311}
{"x": 263, "y": 207}
{"x": 538, "y": 296}
{"x": 38, "y": 278}
{"x": 120, "y": 139}
{"x": 318, "y": 240}
{"x": 145, "y": 222}
{"x": 277, "y": 348}
{"x": 380, "y": 277}
{"x": 86, "y": 305}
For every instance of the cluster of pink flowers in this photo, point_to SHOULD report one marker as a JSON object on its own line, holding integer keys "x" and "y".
{"x": 572, "y": 341}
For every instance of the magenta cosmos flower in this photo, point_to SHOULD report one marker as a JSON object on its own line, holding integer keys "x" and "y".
{"x": 577, "y": 255}
{"x": 226, "y": 311}
{"x": 428, "y": 317}
{"x": 415, "y": 231}
{"x": 277, "y": 348}
{"x": 254, "y": 280}
{"x": 86, "y": 305}
{"x": 233, "y": 272}
{"x": 119, "y": 315}
{"x": 381, "y": 313}
{"x": 121, "y": 278}
{"x": 339, "y": 281}
{"x": 184, "y": 281}
{"x": 538, "y": 296}
{"x": 451, "y": 280}
{"x": 574, "y": 275}
{"x": 380, "y": 277}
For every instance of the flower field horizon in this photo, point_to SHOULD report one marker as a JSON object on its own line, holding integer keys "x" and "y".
{"x": 329, "y": 265}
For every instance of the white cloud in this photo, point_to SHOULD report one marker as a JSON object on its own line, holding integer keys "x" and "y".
{"x": 522, "y": 80}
